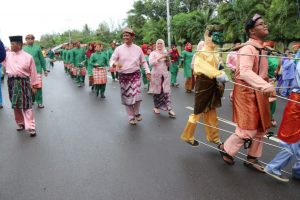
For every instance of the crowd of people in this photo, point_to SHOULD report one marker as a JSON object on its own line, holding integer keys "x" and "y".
{"x": 254, "y": 70}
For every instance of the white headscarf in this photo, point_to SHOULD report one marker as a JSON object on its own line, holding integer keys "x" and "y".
{"x": 163, "y": 48}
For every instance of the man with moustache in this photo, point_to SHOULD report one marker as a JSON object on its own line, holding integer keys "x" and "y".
{"x": 127, "y": 59}
{"x": 22, "y": 83}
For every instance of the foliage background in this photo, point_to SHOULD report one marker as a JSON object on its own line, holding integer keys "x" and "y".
{"x": 188, "y": 21}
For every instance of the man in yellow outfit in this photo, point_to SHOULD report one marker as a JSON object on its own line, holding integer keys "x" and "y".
{"x": 209, "y": 88}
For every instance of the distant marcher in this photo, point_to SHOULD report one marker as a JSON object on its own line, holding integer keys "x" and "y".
{"x": 40, "y": 65}
{"x": 99, "y": 63}
{"x": 77, "y": 60}
{"x": 88, "y": 54}
{"x": 187, "y": 56}
{"x": 175, "y": 57}
{"x": 113, "y": 71}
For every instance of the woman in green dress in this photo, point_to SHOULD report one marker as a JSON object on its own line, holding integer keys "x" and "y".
{"x": 186, "y": 57}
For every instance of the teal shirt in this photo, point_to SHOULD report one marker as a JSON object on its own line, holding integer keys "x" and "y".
{"x": 99, "y": 58}
{"x": 77, "y": 56}
{"x": 110, "y": 53}
{"x": 39, "y": 60}
{"x": 187, "y": 60}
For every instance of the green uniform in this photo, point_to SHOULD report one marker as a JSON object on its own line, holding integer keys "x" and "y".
{"x": 40, "y": 64}
{"x": 101, "y": 59}
{"x": 144, "y": 77}
{"x": 273, "y": 64}
{"x": 77, "y": 57}
{"x": 187, "y": 57}
{"x": 110, "y": 52}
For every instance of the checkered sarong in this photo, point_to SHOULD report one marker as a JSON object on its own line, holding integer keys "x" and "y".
{"x": 100, "y": 75}
{"x": 74, "y": 70}
{"x": 81, "y": 71}
{"x": 39, "y": 83}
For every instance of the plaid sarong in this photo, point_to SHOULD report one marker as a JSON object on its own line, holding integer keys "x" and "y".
{"x": 39, "y": 81}
{"x": 91, "y": 80}
{"x": 20, "y": 93}
{"x": 100, "y": 75}
{"x": 74, "y": 70}
{"x": 81, "y": 71}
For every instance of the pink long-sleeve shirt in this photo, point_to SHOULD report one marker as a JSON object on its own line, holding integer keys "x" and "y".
{"x": 20, "y": 64}
{"x": 248, "y": 64}
{"x": 130, "y": 57}
{"x": 231, "y": 61}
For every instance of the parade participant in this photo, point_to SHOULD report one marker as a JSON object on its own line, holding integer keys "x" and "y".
{"x": 71, "y": 68}
{"x": 113, "y": 72}
{"x": 2, "y": 57}
{"x": 160, "y": 79}
{"x": 231, "y": 61}
{"x": 288, "y": 74}
{"x": 174, "y": 55}
{"x": 209, "y": 88}
{"x": 273, "y": 63}
{"x": 251, "y": 109}
{"x": 47, "y": 60}
{"x": 289, "y": 133}
{"x": 1, "y": 101}
{"x": 63, "y": 56}
{"x": 128, "y": 58}
{"x": 145, "y": 80}
{"x": 22, "y": 82}
{"x": 144, "y": 48}
{"x": 200, "y": 46}
{"x": 2, "y": 52}
{"x": 77, "y": 59}
{"x": 88, "y": 54}
{"x": 51, "y": 56}
{"x": 40, "y": 65}
{"x": 99, "y": 63}
{"x": 186, "y": 57}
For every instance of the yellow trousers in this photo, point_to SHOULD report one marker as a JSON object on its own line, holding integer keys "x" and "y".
{"x": 210, "y": 118}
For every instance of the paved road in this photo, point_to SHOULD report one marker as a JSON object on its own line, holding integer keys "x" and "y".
{"x": 85, "y": 149}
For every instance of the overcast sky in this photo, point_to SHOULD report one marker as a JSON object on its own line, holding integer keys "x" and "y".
{"x": 21, "y": 17}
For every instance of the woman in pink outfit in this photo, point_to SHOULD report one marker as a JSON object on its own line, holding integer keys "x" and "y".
{"x": 160, "y": 79}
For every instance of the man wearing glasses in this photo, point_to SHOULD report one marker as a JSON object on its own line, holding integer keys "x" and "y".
{"x": 251, "y": 109}
{"x": 40, "y": 64}
{"x": 22, "y": 83}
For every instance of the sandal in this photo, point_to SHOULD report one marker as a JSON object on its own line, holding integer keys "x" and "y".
{"x": 156, "y": 111}
{"x": 132, "y": 122}
{"x": 172, "y": 114}
{"x": 253, "y": 163}
{"x": 228, "y": 159}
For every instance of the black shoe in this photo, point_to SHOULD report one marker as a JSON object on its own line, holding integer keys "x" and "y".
{"x": 32, "y": 132}
{"x": 193, "y": 144}
{"x": 102, "y": 96}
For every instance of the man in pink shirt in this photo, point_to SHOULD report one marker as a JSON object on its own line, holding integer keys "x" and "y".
{"x": 22, "y": 82}
{"x": 251, "y": 109}
{"x": 127, "y": 59}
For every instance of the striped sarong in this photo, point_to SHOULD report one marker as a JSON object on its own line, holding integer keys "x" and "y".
{"x": 130, "y": 85}
{"x": 99, "y": 75}
{"x": 39, "y": 81}
{"x": 20, "y": 93}
{"x": 162, "y": 101}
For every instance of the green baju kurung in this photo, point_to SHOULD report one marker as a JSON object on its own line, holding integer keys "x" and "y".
{"x": 77, "y": 57}
{"x": 187, "y": 58}
{"x": 99, "y": 60}
{"x": 273, "y": 64}
{"x": 110, "y": 52}
{"x": 40, "y": 64}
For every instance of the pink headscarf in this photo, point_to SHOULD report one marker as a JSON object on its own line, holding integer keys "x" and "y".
{"x": 200, "y": 45}
{"x": 163, "y": 49}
